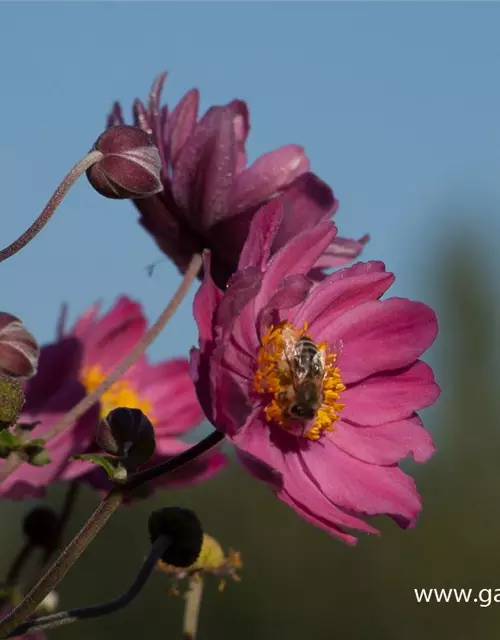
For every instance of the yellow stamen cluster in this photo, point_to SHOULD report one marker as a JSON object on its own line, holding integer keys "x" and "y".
{"x": 212, "y": 560}
{"x": 274, "y": 379}
{"x": 120, "y": 394}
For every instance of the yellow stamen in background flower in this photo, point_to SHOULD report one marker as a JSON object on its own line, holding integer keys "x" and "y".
{"x": 274, "y": 379}
{"x": 212, "y": 560}
{"x": 120, "y": 394}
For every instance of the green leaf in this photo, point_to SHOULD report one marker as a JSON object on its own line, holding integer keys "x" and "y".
{"x": 40, "y": 459}
{"x": 8, "y": 439}
{"x": 103, "y": 461}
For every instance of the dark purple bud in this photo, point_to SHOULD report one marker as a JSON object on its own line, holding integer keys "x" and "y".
{"x": 183, "y": 529}
{"x": 11, "y": 401}
{"x": 130, "y": 166}
{"x": 127, "y": 434}
{"x": 41, "y": 527}
{"x": 19, "y": 351}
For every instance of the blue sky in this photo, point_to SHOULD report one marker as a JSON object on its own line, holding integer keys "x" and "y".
{"x": 397, "y": 105}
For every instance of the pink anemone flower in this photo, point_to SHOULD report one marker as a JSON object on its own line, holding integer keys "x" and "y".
{"x": 210, "y": 195}
{"x": 75, "y": 365}
{"x": 317, "y": 384}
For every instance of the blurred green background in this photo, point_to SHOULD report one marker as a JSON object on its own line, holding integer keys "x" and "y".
{"x": 297, "y": 581}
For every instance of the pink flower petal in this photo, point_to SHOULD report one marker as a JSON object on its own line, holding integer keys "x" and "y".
{"x": 206, "y": 301}
{"x": 108, "y": 339}
{"x": 379, "y": 336}
{"x": 386, "y": 444}
{"x": 342, "y": 291}
{"x": 181, "y": 123}
{"x": 297, "y": 257}
{"x": 385, "y": 398}
{"x": 315, "y": 519}
{"x": 241, "y": 124}
{"x": 341, "y": 251}
{"x": 360, "y": 487}
{"x": 307, "y": 201}
{"x": 265, "y": 224}
{"x": 205, "y": 169}
{"x": 266, "y": 177}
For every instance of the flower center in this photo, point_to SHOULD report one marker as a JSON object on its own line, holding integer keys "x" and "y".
{"x": 300, "y": 381}
{"x": 120, "y": 394}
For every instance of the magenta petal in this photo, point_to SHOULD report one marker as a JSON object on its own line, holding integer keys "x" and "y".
{"x": 264, "y": 226}
{"x": 109, "y": 338}
{"x": 386, "y": 444}
{"x": 360, "y": 487}
{"x": 380, "y": 335}
{"x": 241, "y": 125}
{"x": 242, "y": 288}
{"x": 205, "y": 302}
{"x": 343, "y": 291}
{"x": 315, "y": 519}
{"x": 260, "y": 470}
{"x": 308, "y": 200}
{"x": 266, "y": 177}
{"x": 385, "y": 398}
{"x": 340, "y": 252}
{"x": 205, "y": 169}
{"x": 181, "y": 123}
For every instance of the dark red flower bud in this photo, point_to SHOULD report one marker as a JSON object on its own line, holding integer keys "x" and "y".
{"x": 184, "y": 531}
{"x": 19, "y": 351}
{"x": 127, "y": 434}
{"x": 130, "y": 166}
{"x": 11, "y": 400}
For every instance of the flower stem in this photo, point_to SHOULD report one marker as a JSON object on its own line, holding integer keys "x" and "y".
{"x": 95, "y": 611}
{"x": 89, "y": 531}
{"x": 63, "y": 563}
{"x": 14, "y": 461}
{"x": 80, "y": 167}
{"x": 172, "y": 464}
{"x": 192, "y": 608}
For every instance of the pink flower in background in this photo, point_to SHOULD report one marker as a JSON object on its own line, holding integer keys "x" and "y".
{"x": 210, "y": 195}
{"x": 317, "y": 385}
{"x": 75, "y": 365}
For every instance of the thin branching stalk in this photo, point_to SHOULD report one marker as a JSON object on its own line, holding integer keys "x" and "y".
{"x": 89, "y": 531}
{"x": 13, "y": 462}
{"x": 103, "y": 609}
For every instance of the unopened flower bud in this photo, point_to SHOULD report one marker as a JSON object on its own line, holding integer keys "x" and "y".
{"x": 11, "y": 400}
{"x": 41, "y": 527}
{"x": 127, "y": 434}
{"x": 130, "y": 166}
{"x": 183, "y": 529}
{"x": 19, "y": 351}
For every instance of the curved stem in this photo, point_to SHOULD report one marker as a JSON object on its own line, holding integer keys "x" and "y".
{"x": 14, "y": 462}
{"x": 63, "y": 563}
{"x": 172, "y": 464}
{"x": 89, "y": 531}
{"x": 192, "y": 609}
{"x": 80, "y": 167}
{"x": 98, "y": 610}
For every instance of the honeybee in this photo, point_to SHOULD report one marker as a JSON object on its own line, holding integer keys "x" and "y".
{"x": 302, "y": 398}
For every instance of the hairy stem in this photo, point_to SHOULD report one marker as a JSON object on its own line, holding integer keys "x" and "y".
{"x": 89, "y": 531}
{"x": 80, "y": 167}
{"x": 63, "y": 563}
{"x": 95, "y": 611}
{"x": 192, "y": 608}
{"x": 14, "y": 461}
